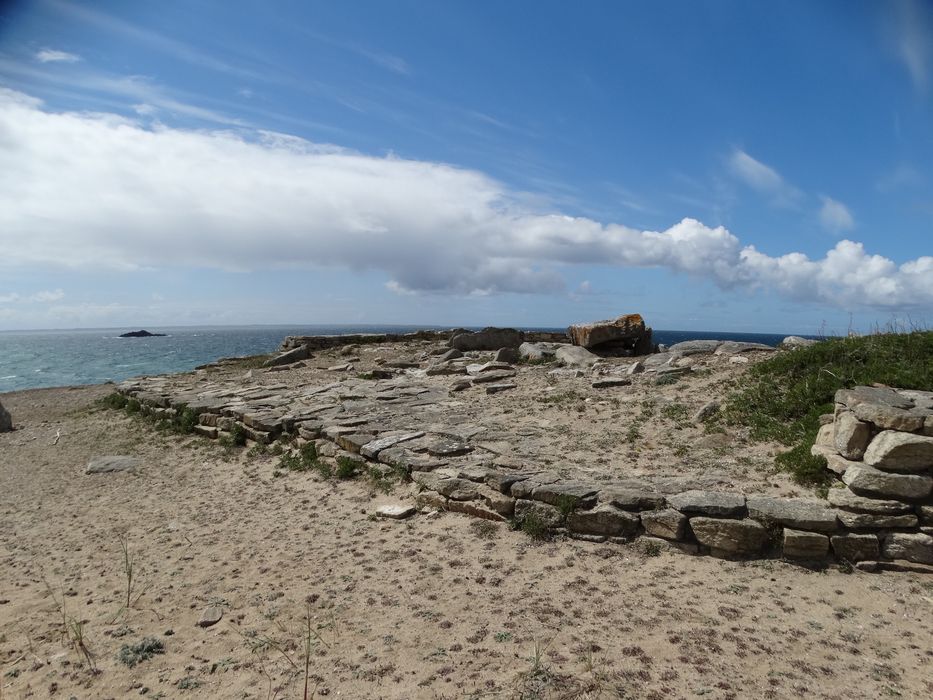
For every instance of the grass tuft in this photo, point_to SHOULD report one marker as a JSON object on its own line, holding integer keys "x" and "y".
{"x": 143, "y": 650}
{"x": 786, "y": 394}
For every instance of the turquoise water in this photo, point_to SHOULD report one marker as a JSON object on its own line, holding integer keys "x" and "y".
{"x": 34, "y": 359}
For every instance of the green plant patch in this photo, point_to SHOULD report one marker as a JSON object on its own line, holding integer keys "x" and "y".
{"x": 143, "y": 650}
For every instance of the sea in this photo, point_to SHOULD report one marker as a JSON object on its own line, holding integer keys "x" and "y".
{"x": 37, "y": 359}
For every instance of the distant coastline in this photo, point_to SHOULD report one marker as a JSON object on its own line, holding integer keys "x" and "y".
{"x": 50, "y": 358}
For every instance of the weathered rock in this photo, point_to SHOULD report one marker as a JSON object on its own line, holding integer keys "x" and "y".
{"x": 853, "y": 547}
{"x": 454, "y": 489}
{"x": 630, "y": 327}
{"x": 509, "y": 355}
{"x": 6, "y": 420}
{"x": 447, "y": 447}
{"x": 875, "y": 521}
{"x": 695, "y": 347}
{"x": 668, "y": 523}
{"x": 496, "y": 501}
{"x": 538, "y": 352}
{"x": 874, "y": 395}
{"x": 868, "y": 481}
{"x": 895, "y": 451}
{"x": 431, "y": 500}
{"x": 461, "y": 385}
{"x": 707, "y": 411}
{"x": 569, "y": 493}
{"x": 476, "y": 509}
{"x": 374, "y": 447}
{"x": 452, "y": 354}
{"x": 112, "y": 463}
{"x": 503, "y": 481}
{"x": 479, "y": 368}
{"x": 806, "y": 546}
{"x": 792, "y": 342}
{"x": 604, "y": 519}
{"x": 629, "y": 498}
{"x": 729, "y": 505}
{"x": 566, "y": 372}
{"x": 210, "y": 616}
{"x": 926, "y": 514}
{"x": 890, "y": 418}
{"x": 574, "y": 356}
{"x": 354, "y": 442}
{"x": 493, "y": 376}
{"x": 488, "y": 339}
{"x": 286, "y": 358}
{"x": 844, "y": 498}
{"x": 738, "y": 360}
{"x": 729, "y": 536}
{"x": 916, "y": 547}
{"x": 442, "y": 368}
{"x": 794, "y": 513}
{"x": 826, "y": 435}
{"x": 920, "y": 399}
{"x": 546, "y": 514}
{"x": 395, "y": 512}
{"x": 733, "y": 347}
{"x": 611, "y": 382}
{"x": 498, "y": 388}
{"x": 850, "y": 435}
{"x": 636, "y": 367}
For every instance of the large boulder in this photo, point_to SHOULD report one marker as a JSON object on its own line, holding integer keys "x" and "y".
{"x": 792, "y": 342}
{"x": 6, "y": 420}
{"x": 574, "y": 356}
{"x": 891, "y": 450}
{"x": 627, "y": 332}
{"x": 488, "y": 339}
{"x": 286, "y": 358}
{"x": 730, "y": 536}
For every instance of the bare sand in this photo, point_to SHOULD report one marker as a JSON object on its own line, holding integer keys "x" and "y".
{"x": 439, "y": 606}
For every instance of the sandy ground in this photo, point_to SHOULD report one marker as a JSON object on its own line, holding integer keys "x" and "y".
{"x": 433, "y": 607}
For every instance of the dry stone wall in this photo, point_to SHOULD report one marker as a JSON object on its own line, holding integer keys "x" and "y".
{"x": 879, "y": 440}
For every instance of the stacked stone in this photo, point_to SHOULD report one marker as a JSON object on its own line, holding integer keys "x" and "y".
{"x": 880, "y": 442}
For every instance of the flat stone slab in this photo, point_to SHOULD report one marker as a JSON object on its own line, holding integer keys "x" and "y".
{"x": 609, "y": 383}
{"x": 891, "y": 450}
{"x": 575, "y": 356}
{"x": 844, "y": 498}
{"x": 668, "y": 523}
{"x": 868, "y": 481}
{"x": 855, "y": 547}
{"x": 874, "y": 395}
{"x": 806, "y": 546}
{"x": 730, "y": 536}
{"x": 916, "y": 547}
{"x": 630, "y": 498}
{"x": 729, "y": 505}
{"x": 794, "y": 513}
{"x": 604, "y": 519}
{"x": 695, "y": 347}
{"x": 395, "y": 512}
{"x": 498, "y": 388}
{"x": 890, "y": 418}
{"x": 373, "y": 448}
{"x": 556, "y": 493}
{"x": 875, "y": 521}
{"x": 733, "y": 347}
{"x": 113, "y": 463}
{"x": 496, "y": 375}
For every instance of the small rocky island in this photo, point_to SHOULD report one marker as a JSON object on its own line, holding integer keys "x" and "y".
{"x": 141, "y": 334}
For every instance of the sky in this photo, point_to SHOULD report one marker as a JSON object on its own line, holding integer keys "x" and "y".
{"x": 719, "y": 165}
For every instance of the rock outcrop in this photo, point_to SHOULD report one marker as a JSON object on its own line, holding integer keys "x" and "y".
{"x": 6, "y": 420}
{"x": 626, "y": 335}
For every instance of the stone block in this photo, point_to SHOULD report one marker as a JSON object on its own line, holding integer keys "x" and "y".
{"x": 792, "y": 512}
{"x": 888, "y": 417}
{"x": 844, "y": 498}
{"x": 730, "y": 536}
{"x": 604, "y": 519}
{"x": 668, "y": 523}
{"x": 850, "y": 435}
{"x": 916, "y": 547}
{"x": 713, "y": 503}
{"x": 876, "y": 521}
{"x": 806, "y": 546}
{"x": 865, "y": 480}
{"x": 628, "y": 498}
{"x": 566, "y": 493}
{"x": 891, "y": 450}
{"x": 548, "y": 515}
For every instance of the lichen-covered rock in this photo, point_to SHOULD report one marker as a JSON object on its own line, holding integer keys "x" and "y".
{"x": 806, "y": 546}
{"x": 850, "y": 435}
{"x": 568, "y": 493}
{"x": 630, "y": 327}
{"x": 876, "y": 521}
{"x": 873, "y": 395}
{"x": 792, "y": 512}
{"x": 729, "y": 505}
{"x": 914, "y": 546}
{"x": 729, "y": 536}
{"x": 844, "y": 498}
{"x": 868, "y": 481}
{"x": 854, "y": 547}
{"x": 888, "y": 417}
{"x": 667, "y": 523}
{"x": 629, "y": 498}
{"x": 604, "y": 519}
{"x": 891, "y": 450}
{"x": 488, "y": 339}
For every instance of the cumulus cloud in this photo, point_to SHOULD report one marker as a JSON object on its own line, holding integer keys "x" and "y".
{"x": 54, "y": 56}
{"x": 835, "y": 216}
{"x": 100, "y": 190}
{"x": 764, "y": 179}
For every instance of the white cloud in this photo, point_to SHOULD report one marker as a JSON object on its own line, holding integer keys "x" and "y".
{"x": 764, "y": 179}
{"x": 54, "y": 56}
{"x": 835, "y": 216}
{"x": 99, "y": 190}
{"x": 43, "y": 297}
{"x": 913, "y": 41}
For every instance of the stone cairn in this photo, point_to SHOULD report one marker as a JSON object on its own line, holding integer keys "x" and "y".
{"x": 880, "y": 441}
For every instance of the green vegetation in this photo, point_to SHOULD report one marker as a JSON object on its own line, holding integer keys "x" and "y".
{"x": 785, "y": 395}
{"x": 346, "y": 467}
{"x": 132, "y": 654}
{"x": 567, "y": 504}
{"x": 535, "y": 527}
{"x": 115, "y": 401}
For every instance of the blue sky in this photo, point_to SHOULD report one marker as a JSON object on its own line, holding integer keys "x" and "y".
{"x": 712, "y": 165}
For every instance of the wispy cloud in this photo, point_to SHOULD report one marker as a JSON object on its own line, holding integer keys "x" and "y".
{"x": 383, "y": 59}
{"x": 46, "y": 296}
{"x": 227, "y": 200}
{"x": 55, "y": 56}
{"x": 835, "y": 216}
{"x": 904, "y": 176}
{"x": 914, "y": 40}
{"x": 764, "y": 179}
